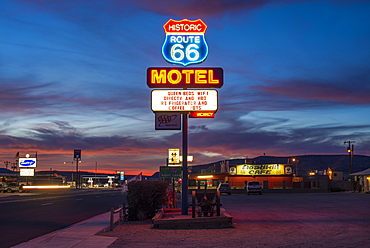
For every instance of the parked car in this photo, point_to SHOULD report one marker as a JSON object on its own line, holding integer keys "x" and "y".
{"x": 224, "y": 188}
{"x": 10, "y": 187}
{"x": 254, "y": 187}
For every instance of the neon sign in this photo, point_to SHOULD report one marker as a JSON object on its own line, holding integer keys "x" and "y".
{"x": 202, "y": 114}
{"x": 265, "y": 169}
{"x": 164, "y": 77}
{"x": 185, "y": 43}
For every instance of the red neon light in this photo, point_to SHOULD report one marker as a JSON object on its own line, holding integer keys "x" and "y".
{"x": 202, "y": 114}
{"x": 185, "y": 26}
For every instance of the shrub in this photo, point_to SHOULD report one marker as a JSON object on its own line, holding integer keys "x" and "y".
{"x": 144, "y": 198}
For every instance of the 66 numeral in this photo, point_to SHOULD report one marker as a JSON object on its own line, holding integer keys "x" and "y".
{"x": 191, "y": 53}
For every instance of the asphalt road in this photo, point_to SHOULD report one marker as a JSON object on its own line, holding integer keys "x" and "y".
{"x": 26, "y": 216}
{"x": 287, "y": 220}
{"x": 302, "y": 220}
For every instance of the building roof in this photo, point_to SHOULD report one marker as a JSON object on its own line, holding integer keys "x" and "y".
{"x": 362, "y": 173}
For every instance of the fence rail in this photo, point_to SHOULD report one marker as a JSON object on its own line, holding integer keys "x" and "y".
{"x": 121, "y": 215}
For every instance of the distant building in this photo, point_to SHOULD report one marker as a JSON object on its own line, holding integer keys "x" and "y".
{"x": 363, "y": 180}
{"x": 7, "y": 175}
{"x": 271, "y": 176}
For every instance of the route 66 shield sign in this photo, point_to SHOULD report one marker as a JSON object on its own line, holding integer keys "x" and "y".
{"x": 185, "y": 43}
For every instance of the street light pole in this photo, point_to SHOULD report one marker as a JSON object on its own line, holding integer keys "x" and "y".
{"x": 296, "y": 164}
{"x": 350, "y": 150}
{"x": 77, "y": 175}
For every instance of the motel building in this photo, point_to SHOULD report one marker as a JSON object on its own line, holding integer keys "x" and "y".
{"x": 271, "y": 176}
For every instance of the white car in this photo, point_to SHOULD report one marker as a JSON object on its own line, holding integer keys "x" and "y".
{"x": 224, "y": 188}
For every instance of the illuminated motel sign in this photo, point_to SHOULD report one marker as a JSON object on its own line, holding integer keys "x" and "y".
{"x": 185, "y": 43}
{"x": 164, "y": 77}
{"x": 184, "y": 100}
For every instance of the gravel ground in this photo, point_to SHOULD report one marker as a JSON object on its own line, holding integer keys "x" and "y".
{"x": 269, "y": 220}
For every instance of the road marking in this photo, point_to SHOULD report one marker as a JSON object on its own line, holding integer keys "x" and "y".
{"x": 79, "y": 199}
{"x": 45, "y": 204}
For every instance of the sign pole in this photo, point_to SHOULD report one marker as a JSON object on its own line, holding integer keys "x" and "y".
{"x": 184, "y": 194}
{"x": 77, "y": 156}
{"x": 77, "y": 174}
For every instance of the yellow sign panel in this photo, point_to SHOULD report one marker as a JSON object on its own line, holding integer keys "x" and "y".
{"x": 265, "y": 169}
{"x": 174, "y": 156}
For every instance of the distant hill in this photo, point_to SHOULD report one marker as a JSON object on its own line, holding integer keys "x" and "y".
{"x": 305, "y": 164}
{"x": 7, "y": 172}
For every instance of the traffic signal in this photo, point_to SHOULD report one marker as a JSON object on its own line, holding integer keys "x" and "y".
{"x": 348, "y": 149}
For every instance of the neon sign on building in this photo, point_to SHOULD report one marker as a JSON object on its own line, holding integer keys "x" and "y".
{"x": 265, "y": 169}
{"x": 185, "y": 43}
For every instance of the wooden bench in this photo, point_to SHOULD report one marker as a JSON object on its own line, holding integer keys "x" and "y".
{"x": 206, "y": 202}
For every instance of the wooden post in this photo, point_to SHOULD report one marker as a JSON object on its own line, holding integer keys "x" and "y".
{"x": 218, "y": 203}
{"x": 193, "y": 202}
{"x": 120, "y": 214}
{"x": 111, "y": 219}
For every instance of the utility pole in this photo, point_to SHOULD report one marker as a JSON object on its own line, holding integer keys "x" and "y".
{"x": 14, "y": 166}
{"x": 6, "y": 164}
{"x": 96, "y": 169}
{"x": 350, "y": 150}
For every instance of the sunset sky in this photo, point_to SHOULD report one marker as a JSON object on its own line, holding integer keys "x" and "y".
{"x": 73, "y": 76}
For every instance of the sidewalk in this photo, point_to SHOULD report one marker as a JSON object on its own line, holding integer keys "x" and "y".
{"x": 79, "y": 235}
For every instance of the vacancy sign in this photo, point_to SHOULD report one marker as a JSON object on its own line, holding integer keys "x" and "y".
{"x": 184, "y": 100}
{"x": 202, "y": 114}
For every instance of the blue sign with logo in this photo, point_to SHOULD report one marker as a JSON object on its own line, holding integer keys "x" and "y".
{"x": 27, "y": 162}
{"x": 185, "y": 43}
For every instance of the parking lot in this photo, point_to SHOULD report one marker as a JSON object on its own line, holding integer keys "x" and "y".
{"x": 339, "y": 219}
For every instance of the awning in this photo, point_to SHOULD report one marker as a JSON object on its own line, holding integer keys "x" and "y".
{"x": 361, "y": 173}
